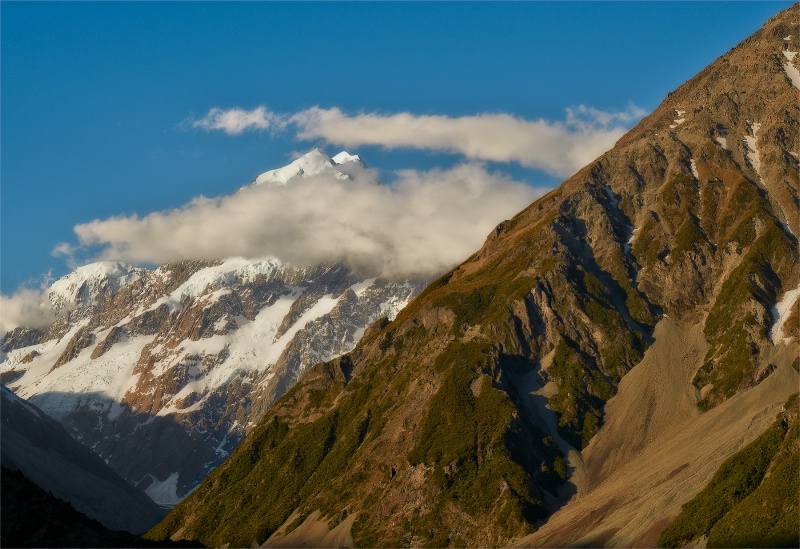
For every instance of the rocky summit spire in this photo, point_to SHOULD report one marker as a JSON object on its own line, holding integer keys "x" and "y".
{"x": 655, "y": 275}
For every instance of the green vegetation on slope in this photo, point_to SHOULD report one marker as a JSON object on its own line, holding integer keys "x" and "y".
{"x": 752, "y": 499}
{"x": 768, "y": 517}
{"x": 586, "y": 373}
{"x": 482, "y": 453}
{"x": 480, "y": 458}
{"x": 583, "y": 391}
{"x": 248, "y": 502}
{"x": 729, "y": 328}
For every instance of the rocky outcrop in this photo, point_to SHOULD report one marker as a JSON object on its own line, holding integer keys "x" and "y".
{"x": 77, "y": 343}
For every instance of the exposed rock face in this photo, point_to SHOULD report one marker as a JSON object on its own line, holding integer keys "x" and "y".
{"x": 45, "y": 453}
{"x": 20, "y": 337}
{"x": 451, "y": 424}
{"x": 162, "y": 372}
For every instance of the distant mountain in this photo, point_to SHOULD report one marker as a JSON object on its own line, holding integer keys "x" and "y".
{"x": 583, "y": 374}
{"x": 163, "y": 371}
{"x": 39, "y": 447}
{"x": 313, "y": 163}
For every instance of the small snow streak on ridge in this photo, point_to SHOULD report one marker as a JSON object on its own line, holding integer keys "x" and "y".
{"x": 780, "y": 314}
{"x": 791, "y": 70}
{"x": 753, "y": 156}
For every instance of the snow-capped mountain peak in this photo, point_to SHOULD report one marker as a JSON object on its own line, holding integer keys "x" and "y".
{"x": 310, "y": 164}
{"x": 344, "y": 156}
{"x": 86, "y": 282}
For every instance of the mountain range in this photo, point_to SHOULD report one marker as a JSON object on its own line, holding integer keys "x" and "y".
{"x": 581, "y": 377}
{"x": 617, "y": 365}
{"x": 162, "y": 371}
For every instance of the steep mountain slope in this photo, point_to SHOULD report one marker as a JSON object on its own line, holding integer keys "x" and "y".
{"x": 449, "y": 426}
{"x": 43, "y": 451}
{"x": 656, "y": 449}
{"x": 162, "y": 372}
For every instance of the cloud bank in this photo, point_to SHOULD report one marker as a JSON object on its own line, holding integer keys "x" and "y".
{"x": 423, "y": 223}
{"x": 559, "y": 148}
{"x": 25, "y": 307}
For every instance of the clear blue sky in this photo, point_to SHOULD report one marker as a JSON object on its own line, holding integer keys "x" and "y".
{"x": 95, "y": 96}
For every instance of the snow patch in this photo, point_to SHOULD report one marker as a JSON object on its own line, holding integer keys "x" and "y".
{"x": 780, "y": 314}
{"x": 202, "y": 347}
{"x": 393, "y": 306}
{"x": 344, "y": 156}
{"x": 102, "y": 382}
{"x": 220, "y": 324}
{"x": 323, "y": 306}
{"x": 678, "y": 120}
{"x": 358, "y": 334}
{"x": 750, "y": 143}
{"x": 790, "y": 69}
{"x": 249, "y": 343}
{"x": 172, "y": 408}
{"x": 361, "y": 287}
{"x": 723, "y": 142}
{"x": 164, "y": 492}
{"x": 225, "y": 273}
{"x": 249, "y": 349}
{"x": 695, "y": 173}
{"x": 220, "y": 447}
{"x": 114, "y": 411}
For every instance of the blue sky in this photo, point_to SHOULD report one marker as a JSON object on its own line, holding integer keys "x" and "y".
{"x": 103, "y": 104}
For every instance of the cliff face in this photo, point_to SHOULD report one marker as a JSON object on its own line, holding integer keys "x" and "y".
{"x": 463, "y": 420}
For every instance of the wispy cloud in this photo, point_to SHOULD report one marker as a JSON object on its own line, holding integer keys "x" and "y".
{"x": 557, "y": 147}
{"x": 424, "y": 222}
{"x": 26, "y": 307}
{"x": 236, "y": 121}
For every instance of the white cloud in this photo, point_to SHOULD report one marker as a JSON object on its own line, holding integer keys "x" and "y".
{"x": 559, "y": 148}
{"x": 588, "y": 118}
{"x": 424, "y": 222}
{"x": 25, "y": 307}
{"x": 235, "y": 121}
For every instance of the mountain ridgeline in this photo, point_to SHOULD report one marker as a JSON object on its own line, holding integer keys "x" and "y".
{"x": 163, "y": 371}
{"x": 475, "y": 414}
